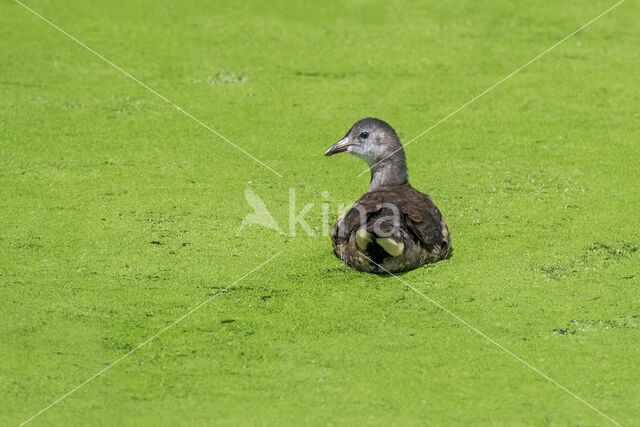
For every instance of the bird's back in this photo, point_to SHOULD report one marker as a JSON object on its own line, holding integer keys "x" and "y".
{"x": 400, "y": 212}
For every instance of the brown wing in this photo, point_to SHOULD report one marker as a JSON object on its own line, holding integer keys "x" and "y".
{"x": 357, "y": 215}
{"x": 424, "y": 219}
{"x": 421, "y": 228}
{"x": 421, "y": 215}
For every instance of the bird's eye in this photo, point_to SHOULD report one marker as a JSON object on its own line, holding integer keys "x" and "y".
{"x": 364, "y": 135}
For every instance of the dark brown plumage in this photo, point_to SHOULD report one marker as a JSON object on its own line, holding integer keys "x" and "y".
{"x": 393, "y": 227}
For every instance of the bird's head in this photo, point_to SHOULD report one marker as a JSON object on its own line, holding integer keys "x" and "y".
{"x": 370, "y": 139}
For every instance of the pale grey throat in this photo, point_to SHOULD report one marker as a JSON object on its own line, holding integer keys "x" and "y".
{"x": 390, "y": 171}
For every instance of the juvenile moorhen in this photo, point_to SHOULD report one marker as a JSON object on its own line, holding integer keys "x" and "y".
{"x": 393, "y": 227}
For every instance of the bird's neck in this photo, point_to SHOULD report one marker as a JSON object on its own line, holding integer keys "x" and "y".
{"x": 391, "y": 171}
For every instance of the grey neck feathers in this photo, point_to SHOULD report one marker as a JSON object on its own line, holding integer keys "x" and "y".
{"x": 390, "y": 171}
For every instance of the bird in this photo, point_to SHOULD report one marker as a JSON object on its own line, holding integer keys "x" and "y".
{"x": 393, "y": 227}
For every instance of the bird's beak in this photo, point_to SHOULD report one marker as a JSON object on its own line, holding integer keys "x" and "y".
{"x": 339, "y": 147}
